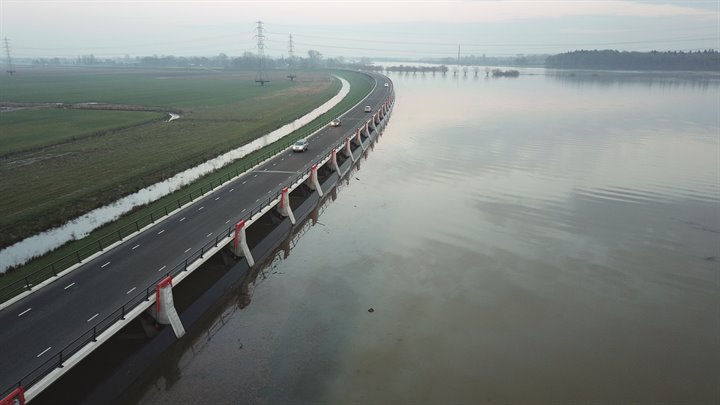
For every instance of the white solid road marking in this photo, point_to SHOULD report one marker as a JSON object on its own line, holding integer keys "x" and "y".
{"x": 182, "y": 219}
{"x": 131, "y": 290}
{"x": 162, "y": 268}
{"x": 200, "y": 209}
{"x": 135, "y": 247}
{"x": 160, "y": 233}
{"x": 93, "y": 317}
{"x": 24, "y": 312}
{"x": 44, "y": 351}
{"x": 68, "y": 286}
{"x": 105, "y": 265}
{"x": 208, "y": 235}
{"x": 187, "y": 250}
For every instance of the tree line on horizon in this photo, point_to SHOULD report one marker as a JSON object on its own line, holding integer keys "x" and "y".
{"x": 654, "y": 60}
{"x": 707, "y": 60}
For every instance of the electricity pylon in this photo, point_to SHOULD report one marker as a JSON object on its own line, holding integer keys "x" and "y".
{"x": 261, "y": 75}
{"x": 10, "y": 68}
{"x": 291, "y": 54}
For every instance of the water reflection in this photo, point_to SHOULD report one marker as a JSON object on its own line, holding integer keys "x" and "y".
{"x": 520, "y": 241}
{"x": 698, "y": 80}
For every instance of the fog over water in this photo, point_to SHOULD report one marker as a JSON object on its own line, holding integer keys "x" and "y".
{"x": 543, "y": 239}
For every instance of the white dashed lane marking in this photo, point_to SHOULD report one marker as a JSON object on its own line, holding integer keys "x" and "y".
{"x": 182, "y": 219}
{"x": 231, "y": 190}
{"x": 44, "y": 351}
{"x": 217, "y": 198}
{"x": 93, "y": 317}
{"x": 161, "y": 232}
{"x": 131, "y": 290}
{"x": 24, "y": 312}
{"x": 200, "y": 209}
{"x": 187, "y": 250}
{"x": 68, "y": 286}
{"x": 227, "y": 222}
{"x": 105, "y": 265}
{"x": 162, "y": 268}
{"x": 135, "y": 247}
{"x": 208, "y": 235}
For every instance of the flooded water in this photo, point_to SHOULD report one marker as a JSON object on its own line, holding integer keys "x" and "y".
{"x": 80, "y": 227}
{"x": 543, "y": 239}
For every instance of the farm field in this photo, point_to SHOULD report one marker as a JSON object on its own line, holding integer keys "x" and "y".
{"x": 51, "y": 173}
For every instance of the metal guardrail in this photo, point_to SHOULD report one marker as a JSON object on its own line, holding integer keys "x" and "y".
{"x": 28, "y": 282}
{"x": 102, "y": 325}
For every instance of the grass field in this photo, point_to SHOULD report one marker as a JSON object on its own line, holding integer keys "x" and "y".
{"x": 360, "y": 86}
{"x": 28, "y": 129}
{"x": 72, "y": 173}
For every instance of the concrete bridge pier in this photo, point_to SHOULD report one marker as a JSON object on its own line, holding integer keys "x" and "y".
{"x": 359, "y": 139}
{"x": 283, "y": 206}
{"x": 348, "y": 150}
{"x": 334, "y": 163}
{"x": 313, "y": 182}
{"x": 17, "y": 396}
{"x": 240, "y": 246}
{"x": 165, "y": 312}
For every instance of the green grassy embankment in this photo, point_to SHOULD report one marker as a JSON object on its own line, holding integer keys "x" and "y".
{"x": 64, "y": 256}
{"x": 72, "y": 173}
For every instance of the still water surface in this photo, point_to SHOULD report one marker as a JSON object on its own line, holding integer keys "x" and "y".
{"x": 545, "y": 239}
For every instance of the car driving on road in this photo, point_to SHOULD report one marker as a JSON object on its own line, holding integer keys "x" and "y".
{"x": 335, "y": 122}
{"x": 368, "y": 108}
{"x": 300, "y": 146}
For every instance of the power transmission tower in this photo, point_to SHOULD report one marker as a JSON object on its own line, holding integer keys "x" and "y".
{"x": 261, "y": 75}
{"x": 291, "y": 54}
{"x": 9, "y": 59}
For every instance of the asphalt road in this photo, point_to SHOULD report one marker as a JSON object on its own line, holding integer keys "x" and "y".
{"x": 37, "y": 327}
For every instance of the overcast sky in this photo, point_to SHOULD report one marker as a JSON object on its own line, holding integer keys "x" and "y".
{"x": 351, "y": 28}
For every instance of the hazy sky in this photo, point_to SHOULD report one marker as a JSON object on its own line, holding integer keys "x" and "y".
{"x": 351, "y": 28}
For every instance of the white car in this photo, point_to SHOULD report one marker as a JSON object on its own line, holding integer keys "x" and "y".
{"x": 386, "y": 85}
{"x": 368, "y": 108}
{"x": 335, "y": 123}
{"x": 300, "y": 146}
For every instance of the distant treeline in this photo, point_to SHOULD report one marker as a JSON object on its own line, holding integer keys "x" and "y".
{"x": 609, "y": 59}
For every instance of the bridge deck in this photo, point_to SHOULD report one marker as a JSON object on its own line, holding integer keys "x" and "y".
{"x": 37, "y": 327}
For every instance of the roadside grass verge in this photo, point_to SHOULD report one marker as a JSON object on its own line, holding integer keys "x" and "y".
{"x": 45, "y": 266}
